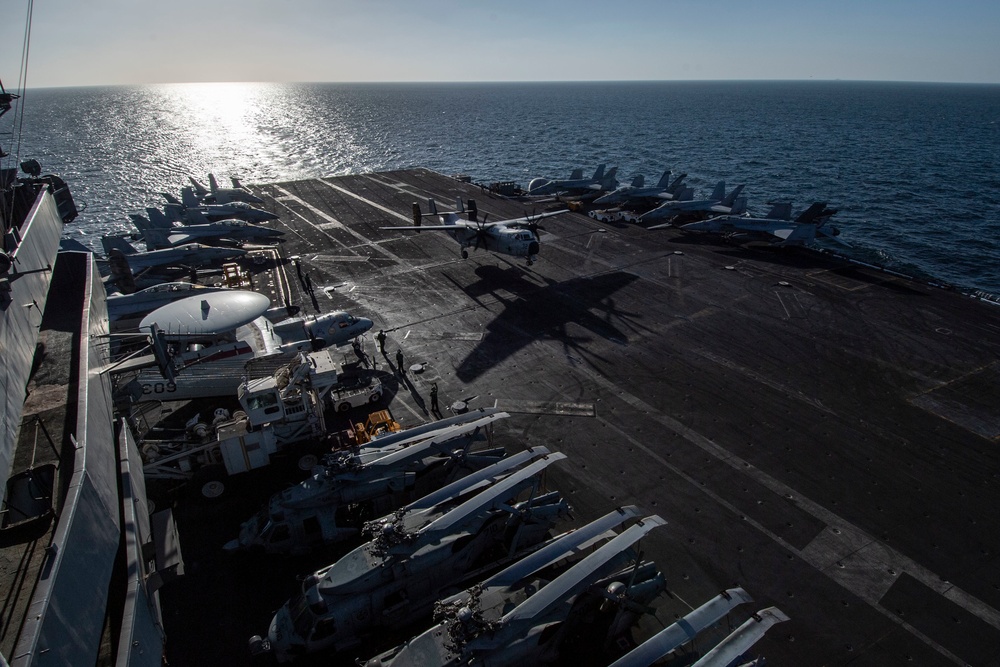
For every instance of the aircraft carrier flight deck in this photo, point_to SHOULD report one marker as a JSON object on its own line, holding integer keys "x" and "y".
{"x": 821, "y": 433}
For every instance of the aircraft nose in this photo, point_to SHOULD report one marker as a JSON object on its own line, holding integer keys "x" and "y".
{"x": 366, "y": 323}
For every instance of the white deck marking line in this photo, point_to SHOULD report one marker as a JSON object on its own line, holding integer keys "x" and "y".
{"x": 347, "y": 192}
{"x": 841, "y": 536}
{"x": 332, "y": 222}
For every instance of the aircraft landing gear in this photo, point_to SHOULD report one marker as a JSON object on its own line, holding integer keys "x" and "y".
{"x": 465, "y": 254}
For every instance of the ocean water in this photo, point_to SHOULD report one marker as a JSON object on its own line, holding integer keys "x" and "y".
{"x": 914, "y": 169}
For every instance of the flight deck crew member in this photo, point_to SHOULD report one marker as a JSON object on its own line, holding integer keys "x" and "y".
{"x": 434, "y": 397}
{"x": 399, "y": 362}
{"x": 380, "y": 337}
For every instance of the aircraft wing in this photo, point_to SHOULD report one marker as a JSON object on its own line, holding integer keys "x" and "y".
{"x": 442, "y": 436}
{"x": 580, "y": 574}
{"x": 683, "y": 630}
{"x": 441, "y": 228}
{"x": 494, "y": 495}
{"x": 477, "y": 479}
{"x": 515, "y": 222}
{"x": 560, "y": 548}
{"x": 740, "y": 641}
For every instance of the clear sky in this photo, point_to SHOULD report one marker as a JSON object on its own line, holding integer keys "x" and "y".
{"x": 95, "y": 42}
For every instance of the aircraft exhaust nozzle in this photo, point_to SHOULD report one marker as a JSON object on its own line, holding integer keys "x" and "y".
{"x": 416, "y": 214}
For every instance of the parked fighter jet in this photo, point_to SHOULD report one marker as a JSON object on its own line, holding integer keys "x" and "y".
{"x": 517, "y": 237}
{"x": 636, "y": 196}
{"x": 331, "y": 505}
{"x": 415, "y": 555}
{"x": 801, "y": 231}
{"x": 159, "y": 232}
{"x": 191, "y": 211}
{"x": 719, "y": 203}
{"x": 217, "y": 195}
{"x": 599, "y": 182}
{"x": 122, "y": 254}
{"x": 518, "y": 617}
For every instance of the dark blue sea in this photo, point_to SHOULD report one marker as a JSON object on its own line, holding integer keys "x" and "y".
{"x": 914, "y": 169}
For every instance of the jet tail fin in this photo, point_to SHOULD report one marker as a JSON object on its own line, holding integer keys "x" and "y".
{"x": 157, "y": 219}
{"x": 781, "y": 210}
{"x": 719, "y": 193}
{"x": 664, "y": 181}
{"x": 811, "y": 213}
{"x": 576, "y": 175}
{"x": 730, "y": 199}
{"x": 198, "y": 187}
{"x": 638, "y": 181}
{"x": 212, "y": 183}
{"x": 599, "y": 173}
{"x": 173, "y": 213}
{"x": 677, "y": 184}
{"x": 739, "y": 206}
{"x": 236, "y": 183}
{"x": 119, "y": 243}
{"x": 170, "y": 198}
{"x": 188, "y": 198}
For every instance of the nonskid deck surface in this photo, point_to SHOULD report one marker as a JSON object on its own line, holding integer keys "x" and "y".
{"x": 822, "y": 434}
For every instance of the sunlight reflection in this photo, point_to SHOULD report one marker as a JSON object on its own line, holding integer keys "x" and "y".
{"x": 219, "y": 113}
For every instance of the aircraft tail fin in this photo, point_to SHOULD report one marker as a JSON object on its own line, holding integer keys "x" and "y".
{"x": 781, "y": 210}
{"x": 473, "y": 210}
{"x": 677, "y": 184}
{"x": 811, "y": 213}
{"x": 121, "y": 272}
{"x": 609, "y": 182}
{"x": 212, "y": 183}
{"x": 119, "y": 243}
{"x": 198, "y": 187}
{"x": 719, "y": 193}
{"x": 170, "y": 198}
{"x": 638, "y": 181}
{"x": 664, "y": 181}
{"x": 188, "y": 198}
{"x": 196, "y": 217}
{"x": 174, "y": 213}
{"x": 687, "y": 194}
{"x": 459, "y": 205}
{"x": 236, "y": 183}
{"x": 598, "y": 173}
{"x": 418, "y": 217}
{"x": 739, "y": 206}
{"x": 158, "y": 219}
{"x": 731, "y": 197}
{"x": 576, "y": 175}
{"x": 154, "y": 236}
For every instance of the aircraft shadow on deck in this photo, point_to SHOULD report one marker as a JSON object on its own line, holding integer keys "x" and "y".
{"x": 544, "y": 311}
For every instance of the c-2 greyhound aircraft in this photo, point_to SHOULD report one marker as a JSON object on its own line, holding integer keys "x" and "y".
{"x": 517, "y": 237}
